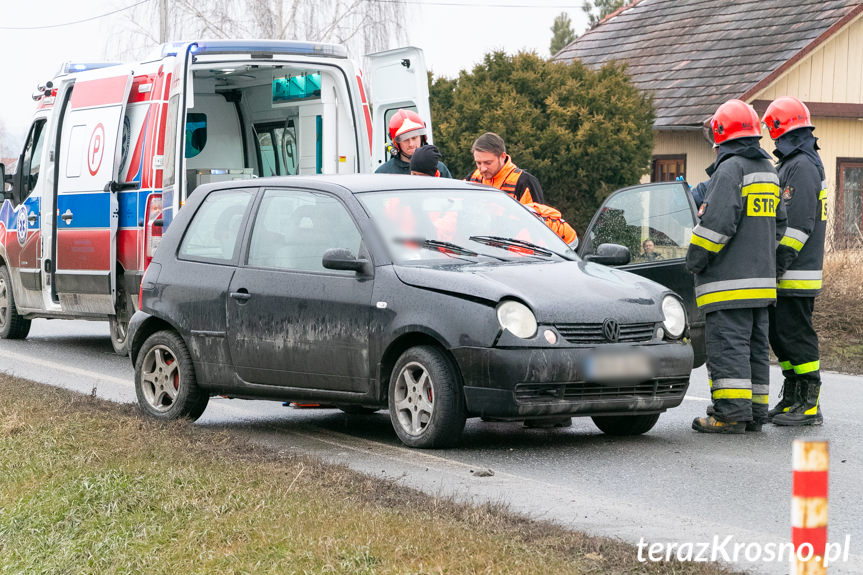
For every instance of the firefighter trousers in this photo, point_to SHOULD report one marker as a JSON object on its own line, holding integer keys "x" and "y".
{"x": 738, "y": 363}
{"x": 794, "y": 340}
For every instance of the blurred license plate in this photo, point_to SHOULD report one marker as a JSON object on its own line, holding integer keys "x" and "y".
{"x": 623, "y": 366}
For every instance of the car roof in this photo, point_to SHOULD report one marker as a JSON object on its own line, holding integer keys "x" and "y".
{"x": 353, "y": 183}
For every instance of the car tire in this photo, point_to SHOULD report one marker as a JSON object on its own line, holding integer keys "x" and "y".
{"x": 358, "y": 409}
{"x": 165, "y": 382}
{"x": 12, "y": 325}
{"x": 426, "y": 401}
{"x": 626, "y": 424}
{"x": 119, "y": 335}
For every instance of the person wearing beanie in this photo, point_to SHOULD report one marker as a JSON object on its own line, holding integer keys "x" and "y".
{"x": 425, "y": 160}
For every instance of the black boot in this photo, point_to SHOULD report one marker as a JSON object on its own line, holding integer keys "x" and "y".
{"x": 788, "y": 398}
{"x": 807, "y": 410}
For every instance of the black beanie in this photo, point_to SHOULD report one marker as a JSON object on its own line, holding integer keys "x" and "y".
{"x": 425, "y": 160}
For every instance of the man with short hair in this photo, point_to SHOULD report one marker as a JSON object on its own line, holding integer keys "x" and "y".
{"x": 495, "y": 168}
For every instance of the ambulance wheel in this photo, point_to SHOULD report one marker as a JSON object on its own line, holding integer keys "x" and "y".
{"x": 626, "y": 424}
{"x": 119, "y": 335}
{"x": 165, "y": 381}
{"x": 12, "y": 325}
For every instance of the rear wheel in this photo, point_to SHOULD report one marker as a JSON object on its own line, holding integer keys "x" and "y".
{"x": 12, "y": 325}
{"x": 165, "y": 380}
{"x": 426, "y": 402}
{"x": 119, "y": 331}
{"x": 626, "y": 424}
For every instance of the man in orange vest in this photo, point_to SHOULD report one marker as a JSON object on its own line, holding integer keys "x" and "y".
{"x": 494, "y": 168}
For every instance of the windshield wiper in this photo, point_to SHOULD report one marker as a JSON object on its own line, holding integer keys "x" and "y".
{"x": 437, "y": 245}
{"x": 501, "y": 242}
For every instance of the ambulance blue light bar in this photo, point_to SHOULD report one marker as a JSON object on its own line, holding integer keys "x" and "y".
{"x": 72, "y": 67}
{"x": 259, "y": 48}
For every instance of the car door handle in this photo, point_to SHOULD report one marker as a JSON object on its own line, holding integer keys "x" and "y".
{"x": 241, "y": 295}
{"x": 32, "y": 217}
{"x": 67, "y": 216}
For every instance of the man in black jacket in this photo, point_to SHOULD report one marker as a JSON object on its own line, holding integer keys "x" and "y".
{"x": 799, "y": 259}
{"x": 733, "y": 256}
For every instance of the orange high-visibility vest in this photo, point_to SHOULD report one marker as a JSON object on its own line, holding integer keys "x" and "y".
{"x": 505, "y": 180}
{"x": 554, "y": 220}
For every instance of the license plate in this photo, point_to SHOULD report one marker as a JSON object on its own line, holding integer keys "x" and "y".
{"x": 618, "y": 366}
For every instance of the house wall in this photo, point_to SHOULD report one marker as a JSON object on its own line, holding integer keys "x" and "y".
{"x": 699, "y": 152}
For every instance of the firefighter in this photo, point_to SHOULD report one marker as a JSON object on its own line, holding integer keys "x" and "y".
{"x": 494, "y": 167}
{"x": 798, "y": 261}
{"x": 407, "y": 133}
{"x": 733, "y": 256}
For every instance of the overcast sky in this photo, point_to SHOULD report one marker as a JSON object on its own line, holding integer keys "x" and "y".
{"x": 454, "y": 35}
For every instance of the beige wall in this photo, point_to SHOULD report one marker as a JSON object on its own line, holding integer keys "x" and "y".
{"x": 831, "y": 73}
{"x": 699, "y": 152}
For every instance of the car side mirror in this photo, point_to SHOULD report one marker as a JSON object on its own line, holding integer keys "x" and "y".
{"x": 343, "y": 259}
{"x": 610, "y": 255}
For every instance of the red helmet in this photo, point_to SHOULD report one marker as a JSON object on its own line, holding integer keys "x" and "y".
{"x": 785, "y": 114}
{"x": 734, "y": 119}
{"x": 406, "y": 124}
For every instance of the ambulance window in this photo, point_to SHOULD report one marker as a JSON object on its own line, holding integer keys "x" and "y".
{"x": 277, "y": 148}
{"x": 196, "y": 133}
{"x": 32, "y": 158}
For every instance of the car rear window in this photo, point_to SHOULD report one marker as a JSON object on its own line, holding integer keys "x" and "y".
{"x": 214, "y": 232}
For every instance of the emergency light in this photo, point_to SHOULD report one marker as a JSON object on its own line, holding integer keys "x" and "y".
{"x": 260, "y": 48}
{"x": 72, "y": 67}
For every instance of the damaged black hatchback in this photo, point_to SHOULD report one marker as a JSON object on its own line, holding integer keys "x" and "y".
{"x": 433, "y": 298}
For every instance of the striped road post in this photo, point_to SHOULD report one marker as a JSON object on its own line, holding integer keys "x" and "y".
{"x": 809, "y": 506}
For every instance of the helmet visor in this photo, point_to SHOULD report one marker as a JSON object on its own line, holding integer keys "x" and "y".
{"x": 411, "y": 134}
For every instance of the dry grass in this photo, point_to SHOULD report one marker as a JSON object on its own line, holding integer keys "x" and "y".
{"x": 839, "y": 312}
{"x": 89, "y": 487}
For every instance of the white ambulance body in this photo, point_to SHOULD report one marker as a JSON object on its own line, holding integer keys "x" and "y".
{"x": 105, "y": 167}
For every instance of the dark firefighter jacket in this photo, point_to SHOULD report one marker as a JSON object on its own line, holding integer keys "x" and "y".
{"x": 395, "y": 165}
{"x": 800, "y": 254}
{"x": 733, "y": 249}
{"x": 519, "y": 184}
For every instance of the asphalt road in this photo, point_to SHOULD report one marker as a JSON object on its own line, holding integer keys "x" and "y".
{"x": 671, "y": 485}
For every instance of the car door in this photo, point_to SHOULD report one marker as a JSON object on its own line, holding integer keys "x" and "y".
{"x": 396, "y": 79}
{"x": 663, "y": 214}
{"x": 291, "y": 322}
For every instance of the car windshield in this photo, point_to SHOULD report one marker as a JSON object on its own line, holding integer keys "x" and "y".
{"x": 459, "y": 226}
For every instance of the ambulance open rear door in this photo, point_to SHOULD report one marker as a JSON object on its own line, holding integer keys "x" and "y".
{"x": 395, "y": 79}
{"x": 87, "y": 212}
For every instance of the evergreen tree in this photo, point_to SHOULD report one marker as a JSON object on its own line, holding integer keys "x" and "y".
{"x": 583, "y": 133}
{"x": 562, "y": 32}
{"x": 596, "y": 10}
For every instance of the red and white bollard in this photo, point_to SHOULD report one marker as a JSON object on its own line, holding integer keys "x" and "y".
{"x": 811, "y": 461}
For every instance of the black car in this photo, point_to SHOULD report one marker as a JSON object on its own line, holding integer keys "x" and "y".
{"x": 434, "y": 298}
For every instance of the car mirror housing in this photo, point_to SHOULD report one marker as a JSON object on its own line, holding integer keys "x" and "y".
{"x": 610, "y": 255}
{"x": 343, "y": 259}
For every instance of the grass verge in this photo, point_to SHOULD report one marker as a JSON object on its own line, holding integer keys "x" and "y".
{"x": 87, "y": 486}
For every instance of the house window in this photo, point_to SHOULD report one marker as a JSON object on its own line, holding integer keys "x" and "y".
{"x": 668, "y": 168}
{"x": 848, "y": 215}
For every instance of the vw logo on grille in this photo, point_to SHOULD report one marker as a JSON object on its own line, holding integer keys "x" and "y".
{"x": 611, "y": 330}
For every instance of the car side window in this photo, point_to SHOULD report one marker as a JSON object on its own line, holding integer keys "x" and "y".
{"x": 654, "y": 222}
{"x": 294, "y": 228}
{"x": 214, "y": 232}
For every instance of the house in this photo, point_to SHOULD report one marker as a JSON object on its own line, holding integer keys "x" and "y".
{"x": 692, "y": 55}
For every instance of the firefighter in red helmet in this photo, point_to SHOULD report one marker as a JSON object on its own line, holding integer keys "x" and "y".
{"x": 733, "y": 256}
{"x": 407, "y": 133}
{"x": 799, "y": 259}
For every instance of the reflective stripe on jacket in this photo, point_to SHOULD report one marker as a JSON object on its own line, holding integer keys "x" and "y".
{"x": 733, "y": 249}
{"x": 800, "y": 254}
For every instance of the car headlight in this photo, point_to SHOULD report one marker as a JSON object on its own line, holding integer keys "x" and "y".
{"x": 675, "y": 316}
{"x": 517, "y": 318}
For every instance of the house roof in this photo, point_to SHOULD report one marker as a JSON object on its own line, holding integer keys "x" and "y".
{"x": 692, "y": 55}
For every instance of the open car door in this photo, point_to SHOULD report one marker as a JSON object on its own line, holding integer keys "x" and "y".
{"x": 395, "y": 79}
{"x": 663, "y": 214}
{"x": 87, "y": 205}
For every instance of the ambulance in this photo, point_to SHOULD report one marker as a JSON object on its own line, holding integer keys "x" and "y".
{"x": 114, "y": 150}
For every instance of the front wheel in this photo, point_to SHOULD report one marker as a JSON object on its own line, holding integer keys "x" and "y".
{"x": 626, "y": 424}
{"x": 12, "y": 325}
{"x": 426, "y": 402}
{"x": 165, "y": 380}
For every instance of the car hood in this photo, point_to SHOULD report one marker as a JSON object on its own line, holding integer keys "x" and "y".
{"x": 557, "y": 292}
